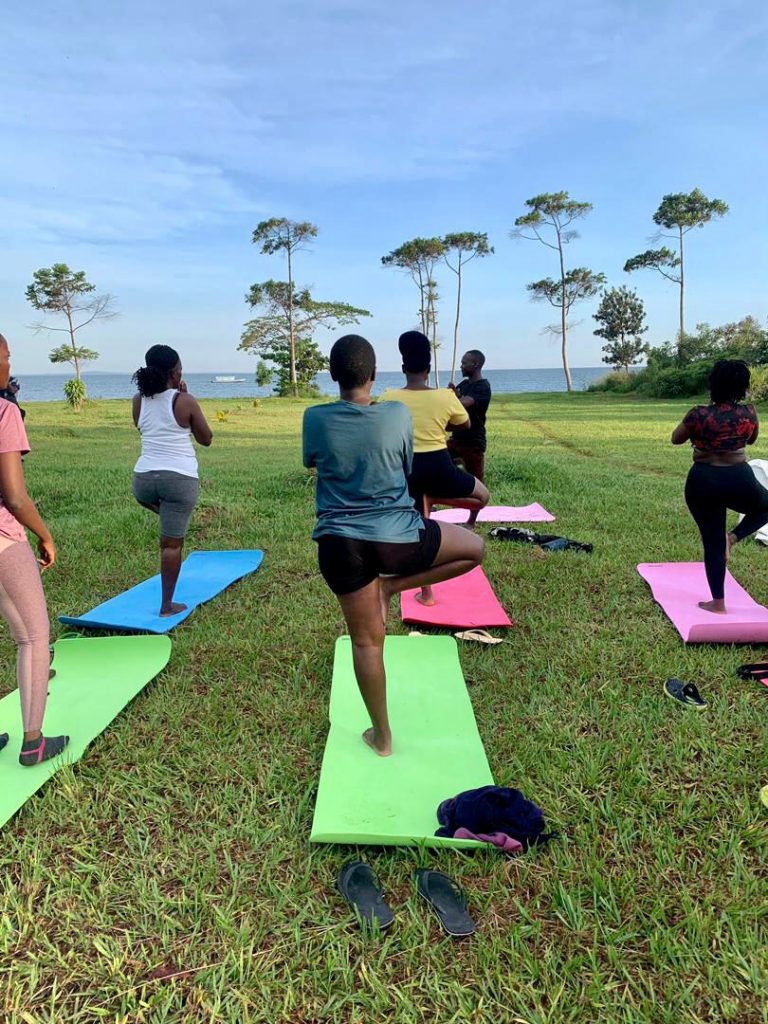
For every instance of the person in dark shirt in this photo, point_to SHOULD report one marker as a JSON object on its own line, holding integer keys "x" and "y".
{"x": 720, "y": 477}
{"x": 474, "y": 393}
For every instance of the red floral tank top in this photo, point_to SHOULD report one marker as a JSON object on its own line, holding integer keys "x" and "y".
{"x": 721, "y": 428}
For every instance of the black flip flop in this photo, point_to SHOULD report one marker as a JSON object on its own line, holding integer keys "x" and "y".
{"x": 757, "y": 671}
{"x": 447, "y": 900}
{"x": 360, "y": 888}
{"x": 684, "y": 693}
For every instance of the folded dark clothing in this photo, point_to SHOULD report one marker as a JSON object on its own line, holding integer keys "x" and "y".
{"x": 494, "y": 809}
{"x": 547, "y": 541}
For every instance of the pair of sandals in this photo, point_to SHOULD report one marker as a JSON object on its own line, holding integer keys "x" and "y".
{"x": 359, "y": 886}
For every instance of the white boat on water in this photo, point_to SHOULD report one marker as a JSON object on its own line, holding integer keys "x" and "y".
{"x": 228, "y": 379}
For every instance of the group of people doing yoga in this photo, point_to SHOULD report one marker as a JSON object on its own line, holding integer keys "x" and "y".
{"x": 381, "y": 465}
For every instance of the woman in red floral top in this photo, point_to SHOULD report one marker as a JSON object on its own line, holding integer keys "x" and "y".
{"x": 720, "y": 477}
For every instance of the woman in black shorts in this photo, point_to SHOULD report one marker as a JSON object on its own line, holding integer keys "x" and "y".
{"x": 435, "y": 479}
{"x": 720, "y": 478}
{"x": 371, "y": 541}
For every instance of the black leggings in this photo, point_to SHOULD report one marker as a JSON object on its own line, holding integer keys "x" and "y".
{"x": 709, "y": 492}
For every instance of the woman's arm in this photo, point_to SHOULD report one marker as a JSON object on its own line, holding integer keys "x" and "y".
{"x": 136, "y": 406}
{"x": 188, "y": 413}
{"x": 21, "y": 506}
{"x": 680, "y": 434}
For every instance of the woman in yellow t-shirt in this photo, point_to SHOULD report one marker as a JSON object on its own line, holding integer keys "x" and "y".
{"x": 435, "y": 479}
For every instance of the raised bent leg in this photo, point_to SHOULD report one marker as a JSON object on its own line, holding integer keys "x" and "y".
{"x": 460, "y": 551}
{"x": 362, "y": 612}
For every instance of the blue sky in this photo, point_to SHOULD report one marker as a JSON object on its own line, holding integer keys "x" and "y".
{"x": 143, "y": 142}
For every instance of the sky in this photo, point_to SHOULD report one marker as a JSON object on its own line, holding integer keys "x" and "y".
{"x": 142, "y": 143}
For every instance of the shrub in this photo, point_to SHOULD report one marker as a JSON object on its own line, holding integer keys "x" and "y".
{"x": 618, "y": 382}
{"x": 75, "y": 393}
{"x": 758, "y": 383}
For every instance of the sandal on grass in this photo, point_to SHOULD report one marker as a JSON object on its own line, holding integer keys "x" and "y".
{"x": 684, "y": 693}
{"x": 4, "y": 737}
{"x": 757, "y": 671}
{"x": 481, "y": 636}
{"x": 360, "y": 888}
{"x": 447, "y": 900}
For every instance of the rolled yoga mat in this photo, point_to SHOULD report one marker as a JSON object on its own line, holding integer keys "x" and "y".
{"x": 204, "y": 574}
{"x": 679, "y": 586}
{"x": 466, "y": 601}
{"x": 437, "y": 750}
{"x": 95, "y": 678}
{"x": 534, "y": 513}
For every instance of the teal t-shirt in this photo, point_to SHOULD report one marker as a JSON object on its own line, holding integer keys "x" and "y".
{"x": 362, "y": 454}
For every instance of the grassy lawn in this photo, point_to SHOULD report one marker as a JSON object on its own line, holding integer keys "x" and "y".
{"x": 179, "y": 844}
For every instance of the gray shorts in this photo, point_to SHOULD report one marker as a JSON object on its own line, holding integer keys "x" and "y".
{"x": 174, "y": 495}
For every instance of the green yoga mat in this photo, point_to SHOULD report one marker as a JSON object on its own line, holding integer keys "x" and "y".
{"x": 95, "y": 678}
{"x": 437, "y": 750}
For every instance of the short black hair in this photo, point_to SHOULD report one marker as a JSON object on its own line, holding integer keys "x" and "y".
{"x": 415, "y": 350}
{"x": 477, "y": 355}
{"x": 353, "y": 361}
{"x": 728, "y": 381}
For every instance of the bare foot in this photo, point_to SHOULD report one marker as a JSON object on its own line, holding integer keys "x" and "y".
{"x": 426, "y": 597}
{"x": 383, "y": 747}
{"x": 172, "y": 609}
{"x": 717, "y": 606}
{"x": 468, "y": 526}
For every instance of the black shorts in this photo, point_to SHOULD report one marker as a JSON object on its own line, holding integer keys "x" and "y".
{"x": 436, "y": 475}
{"x": 348, "y": 564}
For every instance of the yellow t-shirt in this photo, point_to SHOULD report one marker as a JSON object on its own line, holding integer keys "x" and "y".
{"x": 431, "y": 410}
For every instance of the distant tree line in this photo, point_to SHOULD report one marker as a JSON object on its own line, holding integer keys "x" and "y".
{"x": 282, "y": 333}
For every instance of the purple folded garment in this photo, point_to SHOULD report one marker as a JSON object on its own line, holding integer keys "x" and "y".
{"x": 499, "y": 839}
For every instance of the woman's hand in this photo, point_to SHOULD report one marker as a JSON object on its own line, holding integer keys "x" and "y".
{"x": 47, "y": 551}
{"x": 183, "y": 387}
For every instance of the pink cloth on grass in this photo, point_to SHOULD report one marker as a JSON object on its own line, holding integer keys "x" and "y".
{"x": 534, "y": 513}
{"x": 499, "y": 839}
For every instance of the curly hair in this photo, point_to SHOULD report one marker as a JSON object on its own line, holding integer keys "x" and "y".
{"x": 153, "y": 378}
{"x": 728, "y": 381}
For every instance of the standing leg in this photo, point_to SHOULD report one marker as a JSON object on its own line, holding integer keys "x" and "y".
{"x": 170, "y": 567}
{"x": 22, "y": 605}
{"x": 709, "y": 513}
{"x": 362, "y": 612}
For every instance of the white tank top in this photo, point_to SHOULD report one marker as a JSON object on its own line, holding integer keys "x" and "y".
{"x": 164, "y": 444}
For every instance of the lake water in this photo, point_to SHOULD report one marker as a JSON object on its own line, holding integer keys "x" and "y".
{"x": 47, "y": 387}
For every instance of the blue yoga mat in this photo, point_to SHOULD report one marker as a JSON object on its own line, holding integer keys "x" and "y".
{"x": 204, "y": 574}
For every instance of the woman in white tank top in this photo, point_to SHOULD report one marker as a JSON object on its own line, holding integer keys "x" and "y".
{"x": 165, "y": 476}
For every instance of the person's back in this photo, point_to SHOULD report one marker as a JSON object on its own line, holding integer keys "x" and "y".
{"x": 165, "y": 444}
{"x": 433, "y": 410}
{"x": 362, "y": 454}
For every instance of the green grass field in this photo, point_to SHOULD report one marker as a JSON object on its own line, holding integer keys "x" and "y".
{"x": 168, "y": 876}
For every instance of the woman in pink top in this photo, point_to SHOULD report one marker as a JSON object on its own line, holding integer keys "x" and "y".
{"x": 22, "y": 602}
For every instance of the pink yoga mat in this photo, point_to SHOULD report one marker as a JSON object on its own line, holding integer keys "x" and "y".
{"x": 466, "y": 601}
{"x": 679, "y": 586}
{"x": 534, "y": 513}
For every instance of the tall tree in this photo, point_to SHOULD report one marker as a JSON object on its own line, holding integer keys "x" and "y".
{"x": 621, "y": 316}
{"x": 461, "y": 248}
{"x": 419, "y": 258}
{"x": 289, "y": 236}
{"x": 67, "y": 293}
{"x": 548, "y": 221}
{"x": 283, "y": 334}
{"x": 678, "y": 212}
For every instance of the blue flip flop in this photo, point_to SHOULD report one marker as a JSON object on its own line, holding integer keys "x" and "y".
{"x": 684, "y": 693}
{"x": 360, "y": 888}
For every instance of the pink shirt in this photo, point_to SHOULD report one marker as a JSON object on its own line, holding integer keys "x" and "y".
{"x": 13, "y": 438}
